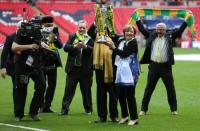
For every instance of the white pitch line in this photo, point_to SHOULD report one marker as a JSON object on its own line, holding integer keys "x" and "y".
{"x": 23, "y": 127}
{"x": 187, "y": 57}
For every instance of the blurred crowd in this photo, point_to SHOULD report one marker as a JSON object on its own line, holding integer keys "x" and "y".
{"x": 119, "y": 3}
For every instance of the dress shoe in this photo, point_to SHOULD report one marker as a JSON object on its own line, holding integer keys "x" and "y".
{"x": 115, "y": 120}
{"x": 18, "y": 118}
{"x": 100, "y": 120}
{"x": 63, "y": 112}
{"x": 47, "y": 110}
{"x": 174, "y": 113}
{"x": 132, "y": 122}
{"x": 88, "y": 112}
{"x": 34, "y": 117}
{"x": 123, "y": 120}
{"x": 142, "y": 113}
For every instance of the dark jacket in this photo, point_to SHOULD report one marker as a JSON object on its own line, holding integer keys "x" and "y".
{"x": 7, "y": 56}
{"x": 151, "y": 36}
{"x": 129, "y": 49}
{"x": 92, "y": 33}
{"x": 87, "y": 56}
{"x": 53, "y": 58}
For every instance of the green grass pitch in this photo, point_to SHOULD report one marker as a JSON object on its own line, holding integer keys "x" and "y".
{"x": 158, "y": 118}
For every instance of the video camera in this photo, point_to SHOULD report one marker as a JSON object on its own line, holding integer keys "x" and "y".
{"x": 32, "y": 28}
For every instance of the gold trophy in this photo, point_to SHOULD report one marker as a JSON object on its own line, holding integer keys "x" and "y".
{"x": 104, "y": 19}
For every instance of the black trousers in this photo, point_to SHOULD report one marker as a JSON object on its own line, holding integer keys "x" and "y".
{"x": 127, "y": 98}
{"x": 102, "y": 89}
{"x": 14, "y": 92}
{"x": 163, "y": 71}
{"x": 85, "y": 81}
{"x": 51, "y": 77}
{"x": 21, "y": 92}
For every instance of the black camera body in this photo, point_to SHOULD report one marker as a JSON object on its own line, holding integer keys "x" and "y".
{"x": 30, "y": 30}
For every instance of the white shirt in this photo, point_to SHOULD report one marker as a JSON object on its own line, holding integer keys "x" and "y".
{"x": 159, "y": 42}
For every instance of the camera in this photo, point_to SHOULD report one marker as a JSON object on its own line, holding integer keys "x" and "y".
{"x": 30, "y": 30}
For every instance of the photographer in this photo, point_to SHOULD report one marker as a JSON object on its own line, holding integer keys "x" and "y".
{"x": 51, "y": 60}
{"x": 28, "y": 65}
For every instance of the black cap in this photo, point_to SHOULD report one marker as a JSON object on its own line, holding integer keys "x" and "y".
{"x": 47, "y": 19}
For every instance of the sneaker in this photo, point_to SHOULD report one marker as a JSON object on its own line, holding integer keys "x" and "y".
{"x": 132, "y": 122}
{"x": 35, "y": 117}
{"x": 174, "y": 113}
{"x": 142, "y": 113}
{"x": 123, "y": 120}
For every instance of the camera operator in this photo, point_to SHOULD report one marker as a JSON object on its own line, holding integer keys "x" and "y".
{"x": 28, "y": 65}
{"x": 51, "y": 60}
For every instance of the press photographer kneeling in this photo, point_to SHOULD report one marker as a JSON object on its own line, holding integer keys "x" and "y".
{"x": 27, "y": 47}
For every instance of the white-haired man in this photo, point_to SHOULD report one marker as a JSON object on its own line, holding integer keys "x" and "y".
{"x": 78, "y": 68}
{"x": 160, "y": 57}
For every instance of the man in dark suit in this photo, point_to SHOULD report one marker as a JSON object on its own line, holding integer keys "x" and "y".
{"x": 51, "y": 61}
{"x": 103, "y": 63}
{"x": 78, "y": 68}
{"x": 160, "y": 57}
{"x": 7, "y": 62}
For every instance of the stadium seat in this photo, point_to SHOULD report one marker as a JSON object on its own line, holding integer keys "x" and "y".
{"x": 11, "y": 13}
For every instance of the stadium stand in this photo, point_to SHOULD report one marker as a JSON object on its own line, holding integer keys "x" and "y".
{"x": 2, "y": 39}
{"x": 11, "y": 13}
{"x": 67, "y": 13}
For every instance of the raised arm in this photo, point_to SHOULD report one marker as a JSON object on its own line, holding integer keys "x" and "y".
{"x": 92, "y": 31}
{"x": 142, "y": 29}
{"x": 179, "y": 32}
